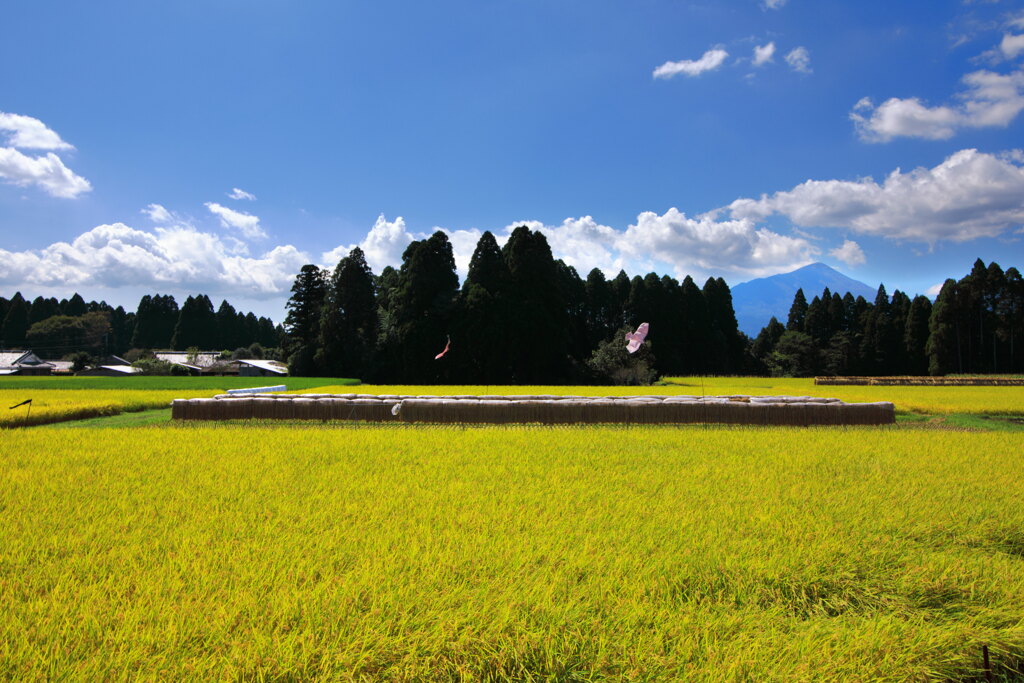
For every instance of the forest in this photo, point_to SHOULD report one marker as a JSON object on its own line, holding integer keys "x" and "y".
{"x": 523, "y": 317}
{"x": 57, "y": 329}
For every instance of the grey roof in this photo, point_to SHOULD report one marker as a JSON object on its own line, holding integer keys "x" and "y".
{"x": 269, "y": 365}
{"x": 10, "y": 359}
{"x": 202, "y": 359}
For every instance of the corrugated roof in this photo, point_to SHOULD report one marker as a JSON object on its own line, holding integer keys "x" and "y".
{"x": 201, "y": 360}
{"x": 269, "y": 365}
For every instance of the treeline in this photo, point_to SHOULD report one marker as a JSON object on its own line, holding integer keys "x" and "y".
{"x": 54, "y": 329}
{"x": 976, "y": 325}
{"x": 520, "y": 317}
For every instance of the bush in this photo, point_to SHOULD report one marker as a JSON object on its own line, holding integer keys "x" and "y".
{"x": 612, "y": 363}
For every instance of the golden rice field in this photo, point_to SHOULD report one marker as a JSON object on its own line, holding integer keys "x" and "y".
{"x": 189, "y": 552}
{"x": 56, "y": 405}
{"x": 928, "y": 400}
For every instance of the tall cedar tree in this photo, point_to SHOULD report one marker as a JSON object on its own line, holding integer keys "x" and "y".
{"x": 197, "y": 325}
{"x": 155, "y": 319}
{"x": 538, "y": 321}
{"x": 697, "y": 326}
{"x": 944, "y": 347}
{"x": 302, "y": 323}
{"x": 601, "y": 312}
{"x": 797, "y": 312}
{"x": 727, "y": 346}
{"x": 915, "y": 336}
{"x": 422, "y": 305}
{"x": 15, "y": 323}
{"x": 348, "y": 325}
{"x": 481, "y": 334}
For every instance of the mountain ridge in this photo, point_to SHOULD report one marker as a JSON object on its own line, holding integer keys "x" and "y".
{"x": 756, "y": 301}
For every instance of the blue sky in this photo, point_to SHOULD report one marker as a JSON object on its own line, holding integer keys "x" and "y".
{"x": 216, "y": 147}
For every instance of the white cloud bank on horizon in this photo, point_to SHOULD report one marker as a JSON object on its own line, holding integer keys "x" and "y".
{"x": 48, "y": 171}
{"x": 709, "y": 61}
{"x": 969, "y": 195}
{"x": 179, "y": 256}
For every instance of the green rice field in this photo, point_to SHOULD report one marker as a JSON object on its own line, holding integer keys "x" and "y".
{"x": 154, "y": 550}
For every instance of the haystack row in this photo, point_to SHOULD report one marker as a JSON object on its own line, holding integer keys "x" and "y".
{"x": 752, "y": 410}
{"x": 921, "y": 381}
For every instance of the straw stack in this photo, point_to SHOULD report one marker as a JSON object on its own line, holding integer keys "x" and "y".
{"x": 539, "y": 409}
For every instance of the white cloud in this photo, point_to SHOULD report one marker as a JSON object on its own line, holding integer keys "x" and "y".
{"x": 764, "y": 54}
{"x": 934, "y": 290}
{"x": 774, "y": 4}
{"x": 26, "y": 132}
{"x": 118, "y": 256}
{"x": 799, "y": 59}
{"x": 48, "y": 172}
{"x": 711, "y": 60}
{"x": 1011, "y": 45}
{"x": 383, "y": 245}
{"x": 988, "y": 99}
{"x": 241, "y": 194}
{"x": 247, "y": 224}
{"x": 849, "y": 253}
{"x": 968, "y": 195}
{"x": 896, "y": 117}
{"x": 705, "y": 245}
{"x": 158, "y": 214}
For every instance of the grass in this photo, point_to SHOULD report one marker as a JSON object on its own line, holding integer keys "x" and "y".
{"x": 510, "y": 553}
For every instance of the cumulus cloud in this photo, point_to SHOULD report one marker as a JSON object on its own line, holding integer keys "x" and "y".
{"x": 764, "y": 54}
{"x": 988, "y": 99}
{"x": 25, "y": 132}
{"x": 706, "y": 245}
{"x": 849, "y": 253}
{"x": 383, "y": 245}
{"x": 711, "y": 60}
{"x": 179, "y": 256}
{"x": 245, "y": 223}
{"x": 48, "y": 172}
{"x": 236, "y": 193}
{"x": 969, "y": 195}
{"x": 799, "y": 59}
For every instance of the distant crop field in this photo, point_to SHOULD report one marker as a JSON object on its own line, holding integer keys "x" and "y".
{"x": 657, "y": 554}
{"x": 58, "y": 399}
{"x": 72, "y": 404}
{"x": 928, "y": 400}
{"x": 151, "y": 383}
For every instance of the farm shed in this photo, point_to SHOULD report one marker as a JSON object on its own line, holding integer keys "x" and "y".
{"x": 23, "y": 363}
{"x": 109, "y": 371}
{"x": 194, "y": 363}
{"x": 260, "y": 368}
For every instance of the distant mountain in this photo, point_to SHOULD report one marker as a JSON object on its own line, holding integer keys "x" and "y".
{"x": 756, "y": 301}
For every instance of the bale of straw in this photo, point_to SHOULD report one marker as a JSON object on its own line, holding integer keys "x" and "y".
{"x": 235, "y": 409}
{"x": 179, "y": 409}
{"x": 264, "y": 408}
